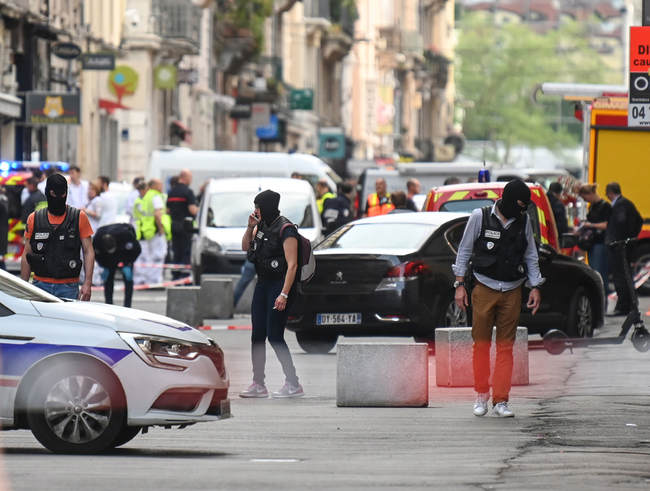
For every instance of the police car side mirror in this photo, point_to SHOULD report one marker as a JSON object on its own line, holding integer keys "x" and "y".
{"x": 546, "y": 253}
{"x": 568, "y": 241}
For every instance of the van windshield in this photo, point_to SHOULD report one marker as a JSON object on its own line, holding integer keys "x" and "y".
{"x": 232, "y": 209}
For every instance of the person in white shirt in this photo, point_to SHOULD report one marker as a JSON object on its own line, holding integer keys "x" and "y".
{"x": 77, "y": 189}
{"x": 109, "y": 203}
{"x": 133, "y": 195}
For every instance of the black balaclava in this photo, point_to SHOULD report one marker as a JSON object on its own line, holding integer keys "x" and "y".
{"x": 268, "y": 202}
{"x": 515, "y": 190}
{"x": 56, "y": 204}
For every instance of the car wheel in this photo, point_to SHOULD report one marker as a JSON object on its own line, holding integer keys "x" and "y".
{"x": 580, "y": 320}
{"x": 316, "y": 343}
{"x": 641, "y": 258}
{"x": 453, "y": 316}
{"x": 76, "y": 409}
{"x": 127, "y": 433}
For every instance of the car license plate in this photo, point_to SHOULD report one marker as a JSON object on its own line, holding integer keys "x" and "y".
{"x": 330, "y": 319}
{"x": 225, "y": 409}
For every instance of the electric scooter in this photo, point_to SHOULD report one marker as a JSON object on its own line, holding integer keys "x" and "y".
{"x": 556, "y": 341}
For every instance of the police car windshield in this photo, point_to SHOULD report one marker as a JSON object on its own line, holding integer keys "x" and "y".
{"x": 232, "y": 209}
{"x": 379, "y": 236}
{"x": 16, "y": 288}
{"x": 465, "y": 206}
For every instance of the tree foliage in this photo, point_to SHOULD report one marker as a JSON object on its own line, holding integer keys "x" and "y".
{"x": 497, "y": 68}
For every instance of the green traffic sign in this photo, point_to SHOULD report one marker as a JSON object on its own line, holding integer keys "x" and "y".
{"x": 302, "y": 99}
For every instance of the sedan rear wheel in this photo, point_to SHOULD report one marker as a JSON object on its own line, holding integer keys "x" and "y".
{"x": 452, "y": 315}
{"x": 580, "y": 320}
{"x": 316, "y": 342}
{"x": 76, "y": 409}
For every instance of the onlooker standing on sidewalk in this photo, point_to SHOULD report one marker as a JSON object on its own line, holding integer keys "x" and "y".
{"x": 413, "y": 187}
{"x": 600, "y": 211}
{"x": 109, "y": 203}
{"x": 77, "y": 189}
{"x": 273, "y": 244}
{"x": 559, "y": 210}
{"x": 400, "y": 202}
{"x": 35, "y": 199}
{"x": 181, "y": 206}
{"x": 94, "y": 207}
{"x": 154, "y": 235}
{"x": 115, "y": 244}
{"x": 625, "y": 223}
{"x": 56, "y": 263}
{"x": 505, "y": 253}
{"x": 133, "y": 195}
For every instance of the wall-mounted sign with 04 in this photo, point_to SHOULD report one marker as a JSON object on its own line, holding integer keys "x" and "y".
{"x": 638, "y": 115}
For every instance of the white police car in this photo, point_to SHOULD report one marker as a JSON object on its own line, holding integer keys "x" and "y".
{"x": 86, "y": 377}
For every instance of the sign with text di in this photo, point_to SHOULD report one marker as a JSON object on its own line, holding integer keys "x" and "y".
{"x": 98, "y": 61}
{"x": 52, "y": 108}
{"x": 639, "y": 93}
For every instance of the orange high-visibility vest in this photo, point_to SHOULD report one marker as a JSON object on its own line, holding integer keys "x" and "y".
{"x": 376, "y": 209}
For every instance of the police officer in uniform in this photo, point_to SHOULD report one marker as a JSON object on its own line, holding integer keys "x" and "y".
{"x": 272, "y": 242}
{"x": 338, "y": 211}
{"x": 154, "y": 234}
{"x": 505, "y": 254}
{"x": 181, "y": 205}
{"x": 54, "y": 237}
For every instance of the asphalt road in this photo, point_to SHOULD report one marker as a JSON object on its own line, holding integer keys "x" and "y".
{"x": 582, "y": 423}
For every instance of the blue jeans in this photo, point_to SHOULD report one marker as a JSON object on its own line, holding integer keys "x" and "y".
{"x": 598, "y": 255}
{"x": 270, "y": 323}
{"x": 247, "y": 275}
{"x": 60, "y": 290}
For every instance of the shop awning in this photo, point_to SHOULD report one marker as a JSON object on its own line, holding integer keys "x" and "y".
{"x": 10, "y": 105}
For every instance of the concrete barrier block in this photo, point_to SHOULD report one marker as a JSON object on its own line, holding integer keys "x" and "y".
{"x": 382, "y": 375}
{"x": 183, "y": 304}
{"x": 216, "y": 298}
{"x": 454, "y": 357}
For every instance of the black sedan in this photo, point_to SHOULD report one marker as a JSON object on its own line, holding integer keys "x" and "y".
{"x": 391, "y": 276}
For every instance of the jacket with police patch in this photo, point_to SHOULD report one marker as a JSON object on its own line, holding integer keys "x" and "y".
{"x": 56, "y": 251}
{"x": 499, "y": 251}
{"x": 267, "y": 251}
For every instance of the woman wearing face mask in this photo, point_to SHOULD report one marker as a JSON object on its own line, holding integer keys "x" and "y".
{"x": 272, "y": 244}
{"x": 54, "y": 238}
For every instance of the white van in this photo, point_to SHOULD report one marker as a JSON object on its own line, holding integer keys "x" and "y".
{"x": 223, "y": 218}
{"x": 209, "y": 164}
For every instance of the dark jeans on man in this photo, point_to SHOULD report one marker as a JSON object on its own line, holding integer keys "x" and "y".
{"x": 618, "y": 264}
{"x": 181, "y": 253}
{"x": 270, "y": 323}
{"x": 598, "y": 256}
{"x": 108, "y": 275}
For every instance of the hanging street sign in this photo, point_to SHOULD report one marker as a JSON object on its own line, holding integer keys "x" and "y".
{"x": 164, "y": 77}
{"x": 302, "y": 99}
{"x": 66, "y": 51}
{"x": 98, "y": 61}
{"x": 52, "y": 108}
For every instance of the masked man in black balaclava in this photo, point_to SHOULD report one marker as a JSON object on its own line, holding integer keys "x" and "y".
{"x": 271, "y": 241}
{"x": 54, "y": 238}
{"x": 505, "y": 255}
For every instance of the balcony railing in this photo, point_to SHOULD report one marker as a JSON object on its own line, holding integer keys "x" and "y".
{"x": 177, "y": 20}
{"x": 401, "y": 40}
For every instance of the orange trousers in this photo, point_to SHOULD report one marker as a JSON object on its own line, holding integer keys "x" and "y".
{"x": 500, "y": 309}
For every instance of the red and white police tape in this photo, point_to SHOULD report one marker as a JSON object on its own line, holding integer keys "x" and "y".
{"x": 181, "y": 281}
{"x": 225, "y": 328}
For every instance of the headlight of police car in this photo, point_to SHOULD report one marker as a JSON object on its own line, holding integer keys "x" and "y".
{"x": 210, "y": 246}
{"x": 161, "y": 352}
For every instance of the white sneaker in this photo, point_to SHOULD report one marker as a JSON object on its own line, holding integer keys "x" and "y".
{"x": 501, "y": 410}
{"x": 255, "y": 391}
{"x": 480, "y": 406}
{"x": 289, "y": 391}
